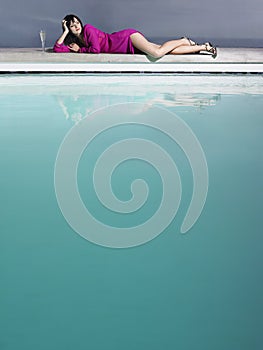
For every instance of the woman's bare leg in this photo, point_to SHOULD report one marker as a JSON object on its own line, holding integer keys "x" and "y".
{"x": 187, "y": 49}
{"x": 174, "y": 47}
{"x": 157, "y": 51}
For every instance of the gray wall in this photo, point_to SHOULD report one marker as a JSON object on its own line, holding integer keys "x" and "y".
{"x": 224, "y": 22}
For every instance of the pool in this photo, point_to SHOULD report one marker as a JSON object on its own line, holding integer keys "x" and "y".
{"x": 187, "y": 281}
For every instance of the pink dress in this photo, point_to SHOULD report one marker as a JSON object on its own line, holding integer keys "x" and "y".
{"x": 97, "y": 41}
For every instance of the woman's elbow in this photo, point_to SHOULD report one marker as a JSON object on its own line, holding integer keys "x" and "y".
{"x": 58, "y": 48}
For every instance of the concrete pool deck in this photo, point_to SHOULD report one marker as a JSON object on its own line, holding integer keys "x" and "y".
{"x": 33, "y": 60}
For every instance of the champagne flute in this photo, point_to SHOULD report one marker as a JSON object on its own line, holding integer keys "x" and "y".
{"x": 42, "y": 34}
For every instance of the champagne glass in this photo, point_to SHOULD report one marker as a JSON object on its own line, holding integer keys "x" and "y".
{"x": 42, "y": 35}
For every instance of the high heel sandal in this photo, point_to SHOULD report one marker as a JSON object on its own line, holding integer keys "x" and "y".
{"x": 212, "y": 50}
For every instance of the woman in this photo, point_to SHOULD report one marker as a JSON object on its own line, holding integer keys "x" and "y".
{"x": 88, "y": 39}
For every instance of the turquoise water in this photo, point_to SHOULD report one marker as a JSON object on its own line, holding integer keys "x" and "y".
{"x": 199, "y": 290}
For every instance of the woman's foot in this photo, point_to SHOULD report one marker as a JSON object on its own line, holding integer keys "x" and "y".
{"x": 210, "y": 48}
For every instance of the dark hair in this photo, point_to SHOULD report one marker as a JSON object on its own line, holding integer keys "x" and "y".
{"x": 71, "y": 38}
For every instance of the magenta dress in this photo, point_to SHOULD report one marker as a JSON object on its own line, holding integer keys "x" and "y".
{"x": 97, "y": 41}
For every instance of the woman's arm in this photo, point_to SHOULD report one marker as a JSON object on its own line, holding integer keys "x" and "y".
{"x": 65, "y": 33}
{"x": 59, "y": 45}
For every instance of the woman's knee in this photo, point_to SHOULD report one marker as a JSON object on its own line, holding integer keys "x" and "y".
{"x": 157, "y": 53}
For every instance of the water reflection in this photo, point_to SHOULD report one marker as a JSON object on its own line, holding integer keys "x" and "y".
{"x": 80, "y": 95}
{"x": 77, "y": 107}
{"x": 74, "y": 107}
{"x": 175, "y": 100}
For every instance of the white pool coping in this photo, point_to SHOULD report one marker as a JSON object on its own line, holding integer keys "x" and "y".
{"x": 229, "y": 60}
{"x": 93, "y": 68}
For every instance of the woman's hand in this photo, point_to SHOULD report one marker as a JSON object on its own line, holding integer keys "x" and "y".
{"x": 74, "y": 47}
{"x": 64, "y": 24}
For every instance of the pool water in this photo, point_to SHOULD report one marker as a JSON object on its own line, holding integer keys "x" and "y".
{"x": 196, "y": 290}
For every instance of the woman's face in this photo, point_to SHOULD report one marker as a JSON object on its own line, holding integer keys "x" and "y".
{"x": 75, "y": 27}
